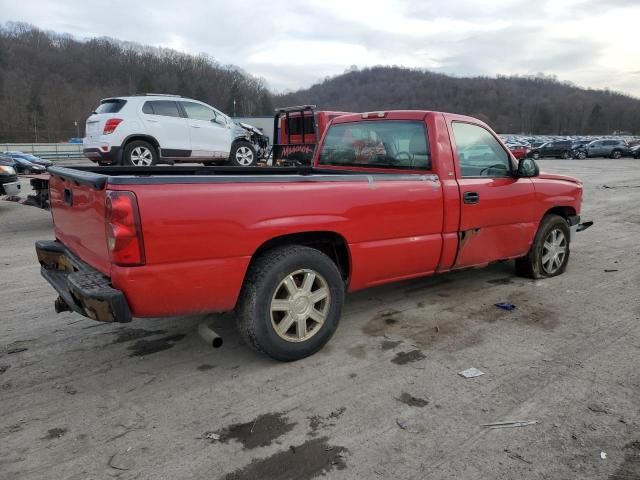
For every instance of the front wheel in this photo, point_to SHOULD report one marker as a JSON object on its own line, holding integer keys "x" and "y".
{"x": 243, "y": 154}
{"x": 616, "y": 154}
{"x": 549, "y": 253}
{"x": 581, "y": 155}
{"x": 291, "y": 302}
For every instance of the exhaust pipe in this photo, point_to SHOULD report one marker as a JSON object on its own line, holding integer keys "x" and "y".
{"x": 209, "y": 335}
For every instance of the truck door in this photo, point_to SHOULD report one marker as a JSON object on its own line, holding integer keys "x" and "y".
{"x": 496, "y": 217}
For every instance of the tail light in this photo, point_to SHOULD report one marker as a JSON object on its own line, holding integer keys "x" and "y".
{"x": 124, "y": 232}
{"x": 110, "y": 125}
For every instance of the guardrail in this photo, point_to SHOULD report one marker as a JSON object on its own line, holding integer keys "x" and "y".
{"x": 50, "y": 151}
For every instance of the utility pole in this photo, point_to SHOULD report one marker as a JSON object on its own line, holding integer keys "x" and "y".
{"x": 77, "y": 129}
{"x": 35, "y": 128}
{"x": 234, "y": 107}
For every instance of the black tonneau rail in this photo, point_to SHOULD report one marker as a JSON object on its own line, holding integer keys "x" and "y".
{"x": 99, "y": 177}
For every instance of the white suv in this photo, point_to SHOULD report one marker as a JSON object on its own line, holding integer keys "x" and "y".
{"x": 148, "y": 129}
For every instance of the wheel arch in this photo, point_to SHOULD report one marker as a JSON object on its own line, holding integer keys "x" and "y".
{"x": 141, "y": 136}
{"x": 564, "y": 212}
{"x": 330, "y": 243}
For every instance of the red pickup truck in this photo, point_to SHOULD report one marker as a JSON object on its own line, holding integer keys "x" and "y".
{"x": 391, "y": 196}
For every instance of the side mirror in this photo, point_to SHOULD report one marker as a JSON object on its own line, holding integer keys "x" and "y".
{"x": 527, "y": 167}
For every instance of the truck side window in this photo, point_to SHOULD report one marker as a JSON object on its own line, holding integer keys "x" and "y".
{"x": 397, "y": 144}
{"x": 479, "y": 153}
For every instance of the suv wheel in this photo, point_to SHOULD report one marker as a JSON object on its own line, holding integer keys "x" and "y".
{"x": 243, "y": 155}
{"x": 535, "y": 155}
{"x": 581, "y": 155}
{"x": 616, "y": 154}
{"x": 291, "y": 302}
{"x": 140, "y": 154}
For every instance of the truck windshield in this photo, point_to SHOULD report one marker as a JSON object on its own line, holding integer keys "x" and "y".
{"x": 380, "y": 144}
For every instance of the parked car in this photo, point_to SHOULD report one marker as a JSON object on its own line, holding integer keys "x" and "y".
{"x": 557, "y": 149}
{"x": 30, "y": 158}
{"x": 635, "y": 151}
{"x": 23, "y": 166}
{"x": 518, "y": 151}
{"x": 603, "y": 148}
{"x": 280, "y": 246}
{"x": 9, "y": 184}
{"x": 148, "y": 129}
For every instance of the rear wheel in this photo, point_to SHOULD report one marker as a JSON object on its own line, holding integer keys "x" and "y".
{"x": 549, "y": 253}
{"x": 243, "y": 154}
{"x": 140, "y": 154}
{"x": 581, "y": 155}
{"x": 616, "y": 154}
{"x": 291, "y": 302}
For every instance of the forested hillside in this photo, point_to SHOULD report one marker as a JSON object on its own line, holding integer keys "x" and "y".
{"x": 48, "y": 81}
{"x": 510, "y": 104}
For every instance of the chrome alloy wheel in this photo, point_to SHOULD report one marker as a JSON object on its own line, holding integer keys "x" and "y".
{"x": 553, "y": 251}
{"x": 300, "y": 305}
{"x": 141, "y": 157}
{"x": 244, "y": 156}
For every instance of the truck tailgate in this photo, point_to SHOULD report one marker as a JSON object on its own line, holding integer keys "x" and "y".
{"x": 78, "y": 212}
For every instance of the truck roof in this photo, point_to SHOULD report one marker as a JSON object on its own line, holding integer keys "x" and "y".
{"x": 401, "y": 115}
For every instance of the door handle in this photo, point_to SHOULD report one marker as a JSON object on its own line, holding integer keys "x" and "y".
{"x": 195, "y": 126}
{"x": 471, "y": 198}
{"x": 152, "y": 121}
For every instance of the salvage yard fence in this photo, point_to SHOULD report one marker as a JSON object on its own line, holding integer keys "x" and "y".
{"x": 50, "y": 151}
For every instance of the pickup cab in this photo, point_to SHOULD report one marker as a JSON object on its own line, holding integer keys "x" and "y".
{"x": 390, "y": 196}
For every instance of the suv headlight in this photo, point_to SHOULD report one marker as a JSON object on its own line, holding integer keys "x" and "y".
{"x": 5, "y": 170}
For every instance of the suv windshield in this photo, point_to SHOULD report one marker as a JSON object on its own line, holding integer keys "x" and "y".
{"x": 380, "y": 144}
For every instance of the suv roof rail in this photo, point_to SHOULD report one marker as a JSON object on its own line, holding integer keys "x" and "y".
{"x": 295, "y": 108}
{"x": 160, "y": 95}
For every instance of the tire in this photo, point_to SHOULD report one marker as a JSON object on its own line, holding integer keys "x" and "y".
{"x": 581, "y": 155}
{"x": 266, "y": 302}
{"x": 533, "y": 265}
{"x": 140, "y": 154}
{"x": 243, "y": 154}
{"x": 566, "y": 155}
{"x": 616, "y": 154}
{"x": 535, "y": 155}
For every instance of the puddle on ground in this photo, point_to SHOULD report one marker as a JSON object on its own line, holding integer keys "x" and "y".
{"x": 148, "y": 347}
{"x": 412, "y": 401}
{"x": 260, "y": 432}
{"x": 302, "y": 462}
{"x": 403, "y": 358}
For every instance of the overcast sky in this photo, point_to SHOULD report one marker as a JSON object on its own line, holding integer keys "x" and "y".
{"x": 592, "y": 43}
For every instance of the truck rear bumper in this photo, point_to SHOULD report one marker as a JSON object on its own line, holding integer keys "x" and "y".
{"x": 82, "y": 289}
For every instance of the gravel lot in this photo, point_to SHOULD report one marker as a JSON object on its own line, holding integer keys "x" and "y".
{"x": 85, "y": 400}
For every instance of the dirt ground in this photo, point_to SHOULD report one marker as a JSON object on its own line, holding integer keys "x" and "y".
{"x": 150, "y": 400}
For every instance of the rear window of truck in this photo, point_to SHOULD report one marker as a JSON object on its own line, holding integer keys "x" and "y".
{"x": 110, "y": 106}
{"x": 294, "y": 125}
{"x": 397, "y": 144}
